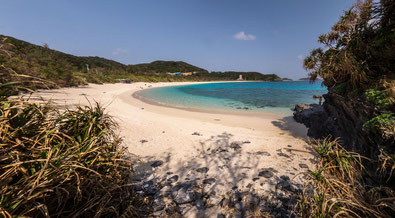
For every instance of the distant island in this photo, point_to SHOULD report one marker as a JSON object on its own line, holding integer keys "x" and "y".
{"x": 68, "y": 70}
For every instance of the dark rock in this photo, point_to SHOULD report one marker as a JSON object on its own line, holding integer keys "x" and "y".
{"x": 236, "y": 145}
{"x": 202, "y": 170}
{"x": 173, "y": 179}
{"x": 264, "y": 153}
{"x": 237, "y": 197}
{"x": 148, "y": 183}
{"x": 165, "y": 191}
{"x": 138, "y": 188}
{"x": 151, "y": 191}
{"x": 283, "y": 155}
{"x": 302, "y": 165}
{"x": 265, "y": 208}
{"x": 143, "y": 141}
{"x": 266, "y": 174}
{"x": 196, "y": 133}
{"x": 214, "y": 200}
{"x": 200, "y": 204}
{"x": 312, "y": 115}
{"x": 209, "y": 181}
{"x": 246, "y": 142}
{"x": 283, "y": 185}
{"x": 156, "y": 163}
{"x": 224, "y": 202}
{"x": 284, "y": 178}
{"x": 186, "y": 196}
{"x": 342, "y": 116}
{"x": 291, "y": 203}
{"x": 312, "y": 160}
{"x": 251, "y": 201}
{"x": 239, "y": 206}
{"x": 255, "y": 179}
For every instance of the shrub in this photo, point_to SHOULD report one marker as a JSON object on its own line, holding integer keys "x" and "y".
{"x": 337, "y": 187}
{"x": 382, "y": 125}
{"x": 378, "y": 97}
{"x": 63, "y": 164}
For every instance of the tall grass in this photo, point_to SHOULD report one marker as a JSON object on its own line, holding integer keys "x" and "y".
{"x": 341, "y": 186}
{"x": 62, "y": 164}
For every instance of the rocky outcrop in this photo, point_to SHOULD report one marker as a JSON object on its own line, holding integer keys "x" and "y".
{"x": 340, "y": 117}
{"x": 313, "y": 116}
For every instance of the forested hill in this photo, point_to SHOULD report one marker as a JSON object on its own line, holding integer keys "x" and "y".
{"x": 69, "y": 70}
{"x": 164, "y": 67}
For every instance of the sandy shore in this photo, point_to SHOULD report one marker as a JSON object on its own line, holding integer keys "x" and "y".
{"x": 233, "y": 147}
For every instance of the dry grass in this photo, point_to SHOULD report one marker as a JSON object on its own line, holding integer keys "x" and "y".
{"x": 59, "y": 164}
{"x": 67, "y": 164}
{"x": 338, "y": 187}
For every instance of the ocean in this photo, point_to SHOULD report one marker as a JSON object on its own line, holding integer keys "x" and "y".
{"x": 258, "y": 97}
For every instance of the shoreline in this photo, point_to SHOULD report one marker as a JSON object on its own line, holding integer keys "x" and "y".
{"x": 270, "y": 112}
{"x": 183, "y": 141}
{"x": 210, "y": 111}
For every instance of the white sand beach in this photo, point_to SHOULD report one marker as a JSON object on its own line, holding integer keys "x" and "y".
{"x": 233, "y": 147}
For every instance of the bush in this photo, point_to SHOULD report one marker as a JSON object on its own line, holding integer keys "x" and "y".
{"x": 378, "y": 97}
{"x": 382, "y": 125}
{"x": 337, "y": 186}
{"x": 63, "y": 164}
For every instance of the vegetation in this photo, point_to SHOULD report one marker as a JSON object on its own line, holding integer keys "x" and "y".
{"x": 378, "y": 97}
{"x": 60, "y": 163}
{"x": 382, "y": 126}
{"x": 356, "y": 63}
{"x": 231, "y": 75}
{"x": 359, "y": 49}
{"x": 164, "y": 67}
{"x": 338, "y": 188}
{"x": 69, "y": 70}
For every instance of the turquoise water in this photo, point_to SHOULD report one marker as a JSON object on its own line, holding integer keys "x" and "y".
{"x": 265, "y": 97}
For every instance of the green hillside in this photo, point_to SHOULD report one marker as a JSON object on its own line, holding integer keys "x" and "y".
{"x": 164, "y": 67}
{"x": 42, "y": 62}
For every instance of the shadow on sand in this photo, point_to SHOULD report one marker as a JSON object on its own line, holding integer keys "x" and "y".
{"x": 289, "y": 125}
{"x": 199, "y": 185}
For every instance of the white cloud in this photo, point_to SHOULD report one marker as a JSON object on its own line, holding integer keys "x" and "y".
{"x": 243, "y": 36}
{"x": 119, "y": 51}
{"x": 301, "y": 57}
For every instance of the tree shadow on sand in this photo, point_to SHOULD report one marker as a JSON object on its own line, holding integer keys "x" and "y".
{"x": 192, "y": 187}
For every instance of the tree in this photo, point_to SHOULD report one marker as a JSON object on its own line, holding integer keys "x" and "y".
{"x": 359, "y": 49}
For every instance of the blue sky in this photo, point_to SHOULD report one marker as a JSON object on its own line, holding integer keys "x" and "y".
{"x": 268, "y": 36}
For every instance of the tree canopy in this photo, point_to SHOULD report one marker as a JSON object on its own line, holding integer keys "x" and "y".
{"x": 359, "y": 49}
